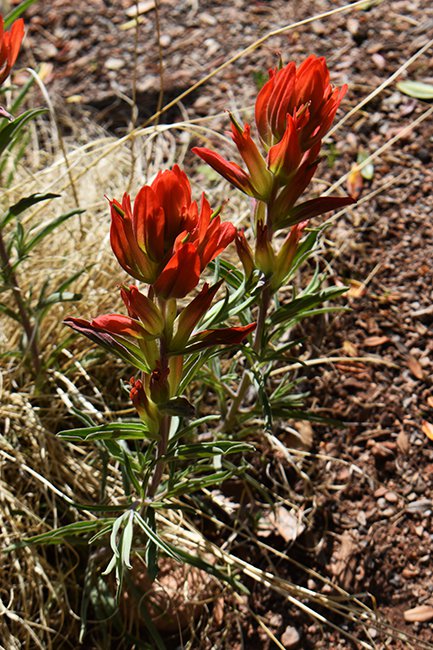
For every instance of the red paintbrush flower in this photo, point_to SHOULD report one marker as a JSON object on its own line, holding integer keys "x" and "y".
{"x": 165, "y": 240}
{"x": 304, "y": 93}
{"x": 10, "y": 43}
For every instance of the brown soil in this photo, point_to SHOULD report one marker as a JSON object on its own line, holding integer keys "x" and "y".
{"x": 378, "y": 523}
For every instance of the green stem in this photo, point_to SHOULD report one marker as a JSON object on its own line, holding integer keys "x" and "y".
{"x": 257, "y": 345}
{"x": 30, "y": 330}
{"x": 161, "y": 451}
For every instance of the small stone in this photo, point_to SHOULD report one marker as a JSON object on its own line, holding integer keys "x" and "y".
{"x": 165, "y": 40}
{"x": 352, "y": 25}
{"x": 208, "y": 19}
{"x": 114, "y": 64}
{"x": 424, "y": 155}
{"x": 381, "y": 503}
{"x": 391, "y": 497}
{"x": 379, "y": 61}
{"x": 388, "y": 512}
{"x": 318, "y": 27}
{"x": 290, "y": 638}
{"x": 361, "y": 518}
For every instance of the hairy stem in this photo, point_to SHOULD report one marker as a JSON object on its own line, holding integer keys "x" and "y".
{"x": 161, "y": 451}
{"x": 257, "y": 345}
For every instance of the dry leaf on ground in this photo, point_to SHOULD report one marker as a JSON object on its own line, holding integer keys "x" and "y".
{"x": 419, "y": 614}
{"x": 427, "y": 428}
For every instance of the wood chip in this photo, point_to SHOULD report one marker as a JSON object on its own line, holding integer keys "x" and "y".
{"x": 350, "y": 349}
{"x": 403, "y": 443}
{"x": 374, "y": 341}
{"x": 430, "y": 401}
{"x": 427, "y": 428}
{"x": 354, "y": 182}
{"x": 357, "y": 289}
{"x": 415, "y": 367}
{"x": 141, "y": 8}
{"x": 419, "y": 614}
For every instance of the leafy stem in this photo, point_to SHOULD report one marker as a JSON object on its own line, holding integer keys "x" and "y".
{"x": 161, "y": 451}
{"x": 257, "y": 345}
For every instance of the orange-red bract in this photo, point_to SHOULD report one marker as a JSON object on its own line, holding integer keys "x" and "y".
{"x": 165, "y": 240}
{"x": 10, "y": 43}
{"x": 304, "y": 93}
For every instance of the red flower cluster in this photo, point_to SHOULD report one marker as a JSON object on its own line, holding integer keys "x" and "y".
{"x": 293, "y": 111}
{"x": 165, "y": 240}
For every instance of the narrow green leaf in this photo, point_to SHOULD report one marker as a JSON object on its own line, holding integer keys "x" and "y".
{"x": 49, "y": 228}
{"x": 10, "y": 131}
{"x": 208, "y": 450}
{"x": 58, "y": 535}
{"x": 24, "y": 204}
{"x": 17, "y": 12}
{"x": 128, "y": 532}
{"x": 114, "y": 430}
{"x": 305, "y": 302}
{"x": 151, "y": 554}
{"x": 152, "y": 535}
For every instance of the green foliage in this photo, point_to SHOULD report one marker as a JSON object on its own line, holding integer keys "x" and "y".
{"x": 17, "y": 12}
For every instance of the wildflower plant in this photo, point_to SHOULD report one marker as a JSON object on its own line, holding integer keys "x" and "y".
{"x": 190, "y": 313}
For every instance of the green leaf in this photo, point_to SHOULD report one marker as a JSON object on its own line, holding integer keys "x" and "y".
{"x": 48, "y": 229}
{"x": 112, "y": 431}
{"x": 151, "y": 554}
{"x": 297, "y": 306}
{"x": 193, "y": 484}
{"x": 24, "y": 204}
{"x": 10, "y": 131}
{"x": 17, "y": 12}
{"x": 416, "y": 89}
{"x": 128, "y": 532}
{"x": 9, "y": 312}
{"x": 186, "y": 558}
{"x": 178, "y": 406}
{"x": 58, "y": 535}
{"x": 207, "y": 450}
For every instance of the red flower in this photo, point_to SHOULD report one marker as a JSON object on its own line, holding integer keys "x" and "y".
{"x": 304, "y": 93}
{"x": 165, "y": 240}
{"x": 191, "y": 315}
{"x": 258, "y": 183}
{"x": 10, "y": 43}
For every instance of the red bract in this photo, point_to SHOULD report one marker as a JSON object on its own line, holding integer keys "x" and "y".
{"x": 223, "y": 336}
{"x": 304, "y": 93}
{"x": 10, "y": 43}
{"x": 258, "y": 183}
{"x": 165, "y": 240}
